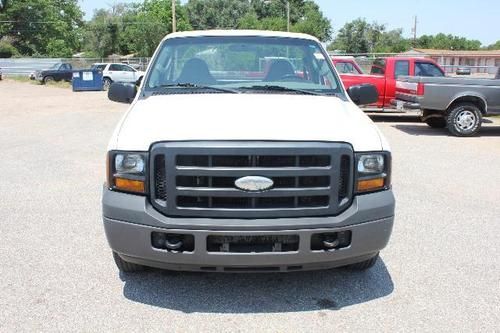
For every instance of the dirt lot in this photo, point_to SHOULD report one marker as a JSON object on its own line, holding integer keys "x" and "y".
{"x": 441, "y": 271}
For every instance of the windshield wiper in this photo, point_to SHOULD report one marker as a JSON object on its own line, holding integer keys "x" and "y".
{"x": 282, "y": 89}
{"x": 195, "y": 86}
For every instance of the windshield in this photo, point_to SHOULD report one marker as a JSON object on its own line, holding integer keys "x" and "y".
{"x": 243, "y": 63}
{"x": 55, "y": 66}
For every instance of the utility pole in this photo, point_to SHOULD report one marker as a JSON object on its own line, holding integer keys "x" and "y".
{"x": 174, "y": 24}
{"x": 288, "y": 15}
{"x": 414, "y": 31}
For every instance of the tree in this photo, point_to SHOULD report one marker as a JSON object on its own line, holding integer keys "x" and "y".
{"x": 495, "y": 46}
{"x": 353, "y": 37}
{"x": 33, "y": 23}
{"x": 152, "y": 21}
{"x": 313, "y": 22}
{"x": 7, "y": 50}
{"x": 216, "y": 14}
{"x": 138, "y": 28}
{"x": 305, "y": 16}
{"x": 447, "y": 42}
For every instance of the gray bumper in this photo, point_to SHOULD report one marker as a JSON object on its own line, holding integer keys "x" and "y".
{"x": 129, "y": 221}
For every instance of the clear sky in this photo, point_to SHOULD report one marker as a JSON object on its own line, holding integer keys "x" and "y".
{"x": 474, "y": 19}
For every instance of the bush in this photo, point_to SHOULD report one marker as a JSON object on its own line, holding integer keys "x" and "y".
{"x": 7, "y": 50}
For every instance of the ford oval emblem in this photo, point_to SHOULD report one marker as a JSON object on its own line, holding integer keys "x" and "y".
{"x": 254, "y": 183}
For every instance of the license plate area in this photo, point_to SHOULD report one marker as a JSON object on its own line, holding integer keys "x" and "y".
{"x": 253, "y": 244}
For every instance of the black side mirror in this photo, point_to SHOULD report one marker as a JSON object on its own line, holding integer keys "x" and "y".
{"x": 138, "y": 82}
{"x": 363, "y": 94}
{"x": 122, "y": 92}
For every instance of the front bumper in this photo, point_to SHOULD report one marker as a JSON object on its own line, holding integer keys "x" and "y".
{"x": 129, "y": 221}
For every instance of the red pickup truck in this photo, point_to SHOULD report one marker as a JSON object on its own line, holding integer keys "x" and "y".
{"x": 384, "y": 73}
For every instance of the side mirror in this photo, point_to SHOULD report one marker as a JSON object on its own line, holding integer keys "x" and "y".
{"x": 122, "y": 92}
{"x": 363, "y": 94}
{"x": 138, "y": 82}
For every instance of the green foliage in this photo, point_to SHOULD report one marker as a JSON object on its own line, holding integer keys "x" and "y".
{"x": 33, "y": 23}
{"x": 359, "y": 36}
{"x": 313, "y": 22}
{"x": 58, "y": 48}
{"x": 216, "y": 14}
{"x": 495, "y": 46}
{"x": 125, "y": 29}
{"x": 7, "y": 50}
{"x": 447, "y": 42}
{"x": 354, "y": 37}
{"x": 305, "y": 16}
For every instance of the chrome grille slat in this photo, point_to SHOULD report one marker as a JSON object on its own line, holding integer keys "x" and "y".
{"x": 292, "y": 171}
{"x": 199, "y": 179}
{"x": 278, "y": 192}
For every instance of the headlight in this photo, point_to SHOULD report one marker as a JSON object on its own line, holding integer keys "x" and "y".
{"x": 370, "y": 164}
{"x": 373, "y": 172}
{"x": 127, "y": 171}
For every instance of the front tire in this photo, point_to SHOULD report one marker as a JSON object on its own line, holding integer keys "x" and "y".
{"x": 106, "y": 83}
{"x": 437, "y": 122}
{"x": 464, "y": 119}
{"x": 48, "y": 79}
{"x": 125, "y": 266}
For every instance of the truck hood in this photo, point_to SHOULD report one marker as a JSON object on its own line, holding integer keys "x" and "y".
{"x": 271, "y": 117}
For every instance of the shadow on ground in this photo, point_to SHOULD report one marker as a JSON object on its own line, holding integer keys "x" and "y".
{"x": 257, "y": 293}
{"x": 412, "y": 125}
{"x": 422, "y": 129}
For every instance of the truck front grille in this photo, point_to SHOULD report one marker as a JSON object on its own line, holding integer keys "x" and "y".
{"x": 197, "y": 179}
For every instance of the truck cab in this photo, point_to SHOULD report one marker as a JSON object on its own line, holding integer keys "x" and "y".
{"x": 384, "y": 73}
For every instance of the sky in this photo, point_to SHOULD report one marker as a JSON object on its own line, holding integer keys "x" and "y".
{"x": 473, "y": 19}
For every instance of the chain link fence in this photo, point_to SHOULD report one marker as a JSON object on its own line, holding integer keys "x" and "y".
{"x": 26, "y": 66}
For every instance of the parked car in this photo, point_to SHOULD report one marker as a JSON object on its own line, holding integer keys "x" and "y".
{"x": 116, "y": 72}
{"x": 1, "y": 74}
{"x": 346, "y": 65}
{"x": 384, "y": 73}
{"x": 58, "y": 72}
{"x": 463, "y": 71}
{"x": 217, "y": 169}
{"x": 456, "y": 103}
{"x": 498, "y": 74}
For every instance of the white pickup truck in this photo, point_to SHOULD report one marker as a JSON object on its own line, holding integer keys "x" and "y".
{"x": 227, "y": 163}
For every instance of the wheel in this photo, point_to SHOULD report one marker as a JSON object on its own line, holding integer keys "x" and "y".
{"x": 364, "y": 265}
{"x": 106, "y": 82}
{"x": 48, "y": 79}
{"x": 438, "y": 122}
{"x": 464, "y": 119}
{"x": 126, "y": 266}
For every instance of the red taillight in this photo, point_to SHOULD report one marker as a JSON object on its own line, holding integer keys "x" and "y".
{"x": 420, "y": 89}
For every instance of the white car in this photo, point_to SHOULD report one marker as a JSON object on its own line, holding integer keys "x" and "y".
{"x": 227, "y": 162}
{"x": 116, "y": 72}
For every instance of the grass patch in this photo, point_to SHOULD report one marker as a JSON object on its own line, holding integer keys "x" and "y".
{"x": 26, "y": 79}
{"x": 20, "y": 78}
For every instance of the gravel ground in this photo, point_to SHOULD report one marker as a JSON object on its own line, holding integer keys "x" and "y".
{"x": 440, "y": 272}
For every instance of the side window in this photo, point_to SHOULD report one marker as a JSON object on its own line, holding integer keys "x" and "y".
{"x": 115, "y": 67}
{"x": 427, "y": 69}
{"x": 402, "y": 68}
{"x": 346, "y": 68}
{"x": 378, "y": 67}
{"x": 127, "y": 68}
